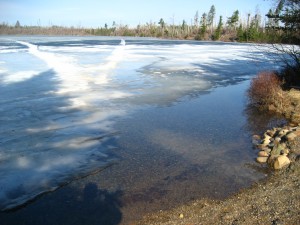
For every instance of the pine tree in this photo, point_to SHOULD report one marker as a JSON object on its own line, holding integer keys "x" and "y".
{"x": 203, "y": 25}
{"x": 233, "y": 20}
{"x": 219, "y": 29}
{"x": 18, "y": 24}
{"x": 241, "y": 33}
{"x": 162, "y": 26}
{"x": 286, "y": 19}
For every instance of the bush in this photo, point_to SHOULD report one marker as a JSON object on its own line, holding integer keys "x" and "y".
{"x": 265, "y": 92}
{"x": 291, "y": 76}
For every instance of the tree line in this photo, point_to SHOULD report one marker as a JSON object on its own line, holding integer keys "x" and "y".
{"x": 280, "y": 25}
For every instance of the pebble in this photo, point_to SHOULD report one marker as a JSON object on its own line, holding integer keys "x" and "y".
{"x": 180, "y": 215}
{"x": 256, "y": 137}
{"x": 256, "y": 142}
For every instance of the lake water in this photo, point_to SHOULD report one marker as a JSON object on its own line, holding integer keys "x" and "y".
{"x": 123, "y": 129}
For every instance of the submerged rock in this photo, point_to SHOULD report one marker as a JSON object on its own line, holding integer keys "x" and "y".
{"x": 256, "y": 140}
{"x": 256, "y": 137}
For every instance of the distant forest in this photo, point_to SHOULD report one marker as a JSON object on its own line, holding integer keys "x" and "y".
{"x": 278, "y": 26}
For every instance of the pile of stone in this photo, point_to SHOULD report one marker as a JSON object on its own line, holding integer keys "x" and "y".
{"x": 275, "y": 146}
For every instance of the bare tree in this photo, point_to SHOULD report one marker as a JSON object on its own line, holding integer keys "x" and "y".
{"x": 210, "y": 17}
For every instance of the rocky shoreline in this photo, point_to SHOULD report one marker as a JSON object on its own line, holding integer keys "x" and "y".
{"x": 274, "y": 201}
{"x": 277, "y": 148}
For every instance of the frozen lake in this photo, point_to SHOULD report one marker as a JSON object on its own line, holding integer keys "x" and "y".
{"x": 167, "y": 117}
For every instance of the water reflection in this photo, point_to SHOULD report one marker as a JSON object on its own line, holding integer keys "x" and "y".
{"x": 260, "y": 121}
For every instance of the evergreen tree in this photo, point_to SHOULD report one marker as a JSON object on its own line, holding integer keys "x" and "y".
{"x": 183, "y": 26}
{"x": 270, "y": 23}
{"x": 161, "y": 23}
{"x": 252, "y": 32}
{"x": 288, "y": 13}
{"x": 241, "y": 34}
{"x": 18, "y": 24}
{"x": 291, "y": 15}
{"x": 203, "y": 24}
{"x": 219, "y": 29}
{"x": 233, "y": 20}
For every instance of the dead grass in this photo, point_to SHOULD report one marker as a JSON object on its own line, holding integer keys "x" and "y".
{"x": 265, "y": 90}
{"x": 266, "y": 93}
{"x": 293, "y": 112}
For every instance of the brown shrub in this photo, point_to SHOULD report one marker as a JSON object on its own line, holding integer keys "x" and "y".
{"x": 265, "y": 92}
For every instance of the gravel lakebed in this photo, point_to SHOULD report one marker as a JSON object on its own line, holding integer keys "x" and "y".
{"x": 275, "y": 200}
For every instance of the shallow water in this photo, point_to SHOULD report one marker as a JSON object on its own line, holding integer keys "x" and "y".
{"x": 169, "y": 118}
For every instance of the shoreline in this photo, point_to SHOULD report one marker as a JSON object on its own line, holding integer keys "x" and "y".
{"x": 271, "y": 201}
{"x": 274, "y": 200}
{"x": 122, "y": 36}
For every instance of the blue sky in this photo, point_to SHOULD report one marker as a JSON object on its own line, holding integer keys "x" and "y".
{"x": 92, "y": 13}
